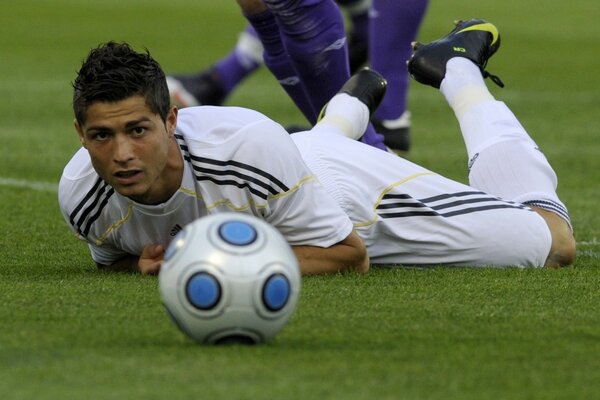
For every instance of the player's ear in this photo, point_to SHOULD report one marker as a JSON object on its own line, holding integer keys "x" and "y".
{"x": 172, "y": 120}
{"x": 79, "y": 131}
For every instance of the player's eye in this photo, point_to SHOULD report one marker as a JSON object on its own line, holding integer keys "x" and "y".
{"x": 138, "y": 131}
{"x": 100, "y": 136}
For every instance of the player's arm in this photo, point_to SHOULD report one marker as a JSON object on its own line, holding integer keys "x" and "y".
{"x": 148, "y": 263}
{"x": 348, "y": 255}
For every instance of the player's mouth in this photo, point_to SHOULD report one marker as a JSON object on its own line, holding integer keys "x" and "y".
{"x": 127, "y": 177}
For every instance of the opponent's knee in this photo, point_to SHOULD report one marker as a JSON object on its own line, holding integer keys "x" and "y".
{"x": 563, "y": 249}
{"x": 252, "y": 7}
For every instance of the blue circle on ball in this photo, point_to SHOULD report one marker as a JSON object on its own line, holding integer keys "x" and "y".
{"x": 276, "y": 292}
{"x": 203, "y": 291}
{"x": 238, "y": 233}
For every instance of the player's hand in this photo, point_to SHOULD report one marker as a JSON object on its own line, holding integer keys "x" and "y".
{"x": 151, "y": 259}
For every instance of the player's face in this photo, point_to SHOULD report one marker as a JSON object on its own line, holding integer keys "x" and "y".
{"x": 132, "y": 149}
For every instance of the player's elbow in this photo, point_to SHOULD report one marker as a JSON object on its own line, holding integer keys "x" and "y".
{"x": 348, "y": 255}
{"x": 362, "y": 260}
{"x": 563, "y": 249}
{"x": 358, "y": 258}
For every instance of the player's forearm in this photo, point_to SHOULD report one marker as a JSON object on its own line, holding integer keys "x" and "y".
{"x": 148, "y": 263}
{"x": 348, "y": 255}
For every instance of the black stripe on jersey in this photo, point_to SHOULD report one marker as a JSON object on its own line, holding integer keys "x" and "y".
{"x": 410, "y": 214}
{"x": 462, "y": 202}
{"x": 237, "y": 164}
{"x": 98, "y": 194}
{"x": 247, "y": 181}
{"x": 181, "y": 142}
{"x": 190, "y": 157}
{"x": 457, "y": 194}
{"x": 94, "y": 217}
{"x": 219, "y": 163}
{"x": 550, "y": 206}
{"x": 85, "y": 200}
{"x": 255, "y": 185}
{"x": 435, "y": 204}
{"x": 230, "y": 182}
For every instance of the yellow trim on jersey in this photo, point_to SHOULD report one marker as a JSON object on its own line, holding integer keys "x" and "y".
{"x": 293, "y": 188}
{"x": 232, "y": 206}
{"x": 116, "y": 225}
{"x": 386, "y": 191}
{"x": 190, "y": 192}
{"x": 251, "y": 203}
{"x": 484, "y": 27}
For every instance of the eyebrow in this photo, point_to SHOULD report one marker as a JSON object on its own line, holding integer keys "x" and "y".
{"x": 137, "y": 122}
{"x": 128, "y": 125}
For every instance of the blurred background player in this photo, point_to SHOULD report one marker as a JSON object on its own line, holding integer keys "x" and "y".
{"x": 379, "y": 30}
{"x": 305, "y": 48}
{"x": 212, "y": 86}
{"x": 393, "y": 26}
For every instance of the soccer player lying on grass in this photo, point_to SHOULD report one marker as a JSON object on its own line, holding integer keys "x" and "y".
{"x": 146, "y": 170}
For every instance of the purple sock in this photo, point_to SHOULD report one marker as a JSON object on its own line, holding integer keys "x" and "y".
{"x": 278, "y": 62}
{"x": 313, "y": 35}
{"x": 394, "y": 25}
{"x": 372, "y": 138}
{"x": 236, "y": 66}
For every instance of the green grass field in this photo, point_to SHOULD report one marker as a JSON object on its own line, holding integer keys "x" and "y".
{"x": 69, "y": 331}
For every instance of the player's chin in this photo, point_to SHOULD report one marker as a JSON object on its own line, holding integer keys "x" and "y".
{"x": 136, "y": 192}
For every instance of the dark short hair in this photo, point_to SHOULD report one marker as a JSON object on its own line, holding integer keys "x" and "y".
{"x": 114, "y": 72}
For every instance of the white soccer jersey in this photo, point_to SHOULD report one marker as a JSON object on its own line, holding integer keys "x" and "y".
{"x": 235, "y": 160}
{"x": 409, "y": 215}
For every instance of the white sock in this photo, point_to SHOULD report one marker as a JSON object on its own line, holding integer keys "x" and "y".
{"x": 503, "y": 159}
{"x": 404, "y": 121}
{"x": 250, "y": 50}
{"x": 463, "y": 86}
{"x": 346, "y": 116}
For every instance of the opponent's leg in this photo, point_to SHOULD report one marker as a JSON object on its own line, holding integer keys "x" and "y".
{"x": 393, "y": 27}
{"x": 313, "y": 37}
{"x": 244, "y": 59}
{"x": 277, "y": 60}
{"x": 503, "y": 159}
{"x": 212, "y": 85}
{"x": 358, "y": 32}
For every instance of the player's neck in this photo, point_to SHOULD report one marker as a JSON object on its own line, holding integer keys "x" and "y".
{"x": 170, "y": 178}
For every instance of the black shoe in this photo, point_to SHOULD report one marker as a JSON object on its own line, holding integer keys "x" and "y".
{"x": 203, "y": 88}
{"x": 396, "y": 133}
{"x": 475, "y": 39}
{"x": 368, "y": 86}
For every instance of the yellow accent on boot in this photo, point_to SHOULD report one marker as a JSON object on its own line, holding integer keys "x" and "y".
{"x": 484, "y": 27}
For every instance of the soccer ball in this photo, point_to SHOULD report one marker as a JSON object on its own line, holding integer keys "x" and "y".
{"x": 229, "y": 278}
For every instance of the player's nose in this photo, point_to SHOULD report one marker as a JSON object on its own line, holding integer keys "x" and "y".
{"x": 123, "y": 149}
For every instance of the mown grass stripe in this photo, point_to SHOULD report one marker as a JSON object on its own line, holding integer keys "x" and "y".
{"x": 27, "y": 184}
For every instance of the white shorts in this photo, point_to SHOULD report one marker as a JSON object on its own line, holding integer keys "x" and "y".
{"x": 409, "y": 215}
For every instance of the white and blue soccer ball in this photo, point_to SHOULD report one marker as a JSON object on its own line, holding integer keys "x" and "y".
{"x": 229, "y": 278}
